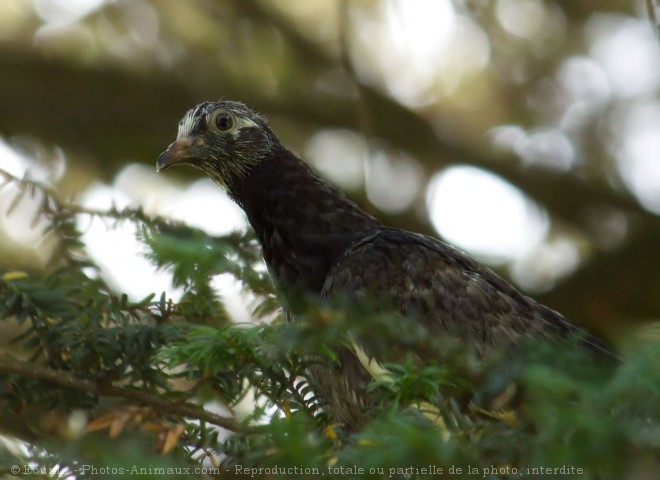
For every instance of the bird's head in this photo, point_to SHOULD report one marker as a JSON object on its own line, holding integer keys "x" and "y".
{"x": 223, "y": 139}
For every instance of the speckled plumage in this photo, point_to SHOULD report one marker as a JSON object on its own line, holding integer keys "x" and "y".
{"x": 316, "y": 240}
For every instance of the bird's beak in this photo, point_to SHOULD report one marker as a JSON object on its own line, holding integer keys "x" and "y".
{"x": 175, "y": 153}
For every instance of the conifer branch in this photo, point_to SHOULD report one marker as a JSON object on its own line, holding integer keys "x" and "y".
{"x": 67, "y": 380}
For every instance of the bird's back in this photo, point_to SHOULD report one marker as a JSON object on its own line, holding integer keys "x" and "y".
{"x": 446, "y": 290}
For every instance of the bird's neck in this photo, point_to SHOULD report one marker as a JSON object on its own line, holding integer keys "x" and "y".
{"x": 303, "y": 223}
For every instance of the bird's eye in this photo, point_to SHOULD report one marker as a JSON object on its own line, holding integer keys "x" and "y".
{"x": 224, "y": 121}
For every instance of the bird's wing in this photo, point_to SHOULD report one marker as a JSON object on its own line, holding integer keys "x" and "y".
{"x": 442, "y": 287}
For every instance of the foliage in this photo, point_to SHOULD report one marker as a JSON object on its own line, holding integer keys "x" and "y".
{"x": 176, "y": 389}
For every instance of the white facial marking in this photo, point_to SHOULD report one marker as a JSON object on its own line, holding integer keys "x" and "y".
{"x": 190, "y": 119}
{"x": 187, "y": 123}
{"x": 243, "y": 122}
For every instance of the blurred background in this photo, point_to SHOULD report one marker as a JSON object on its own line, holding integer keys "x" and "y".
{"x": 525, "y": 132}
